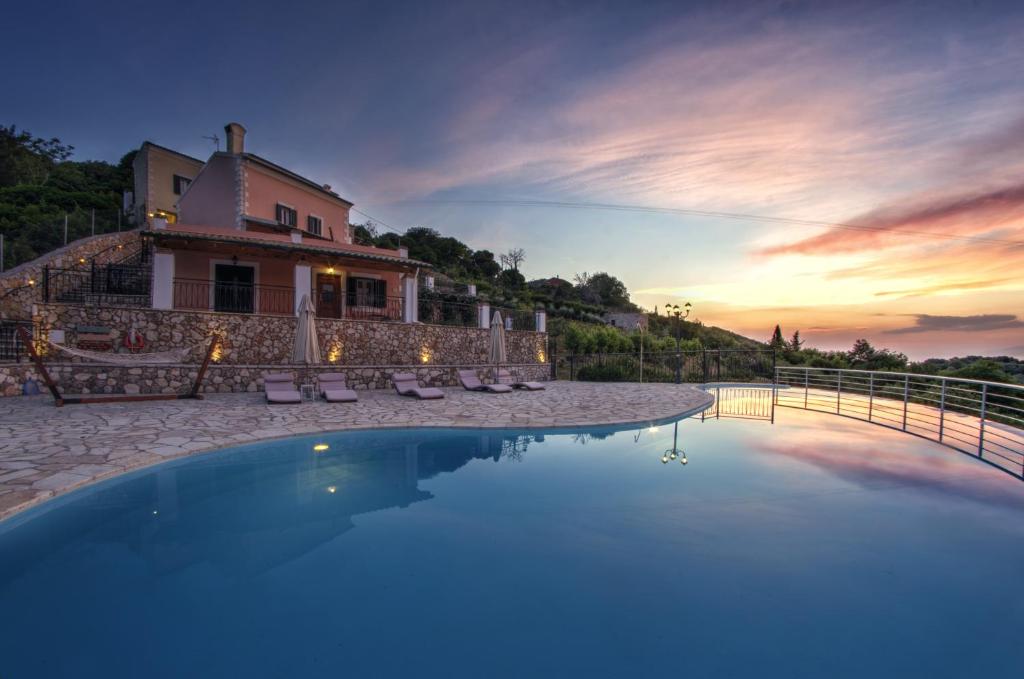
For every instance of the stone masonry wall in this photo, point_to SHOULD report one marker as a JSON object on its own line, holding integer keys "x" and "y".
{"x": 250, "y": 339}
{"x": 17, "y": 297}
{"x": 90, "y": 378}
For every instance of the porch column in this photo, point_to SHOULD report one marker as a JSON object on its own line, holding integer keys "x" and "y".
{"x": 303, "y": 284}
{"x": 410, "y": 294}
{"x": 484, "y": 309}
{"x": 163, "y": 280}
{"x": 541, "y": 318}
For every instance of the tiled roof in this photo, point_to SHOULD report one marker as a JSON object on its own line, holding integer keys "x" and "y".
{"x": 279, "y": 241}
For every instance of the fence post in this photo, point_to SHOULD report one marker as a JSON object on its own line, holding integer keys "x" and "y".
{"x": 775, "y": 368}
{"x": 871, "y": 394}
{"x": 839, "y": 389}
{"x": 551, "y": 358}
{"x": 807, "y": 385}
{"x": 942, "y": 411}
{"x": 981, "y": 422}
{"x": 572, "y": 366}
{"x": 906, "y": 397}
{"x": 46, "y": 283}
{"x": 718, "y": 365}
{"x": 679, "y": 366}
{"x": 704, "y": 364}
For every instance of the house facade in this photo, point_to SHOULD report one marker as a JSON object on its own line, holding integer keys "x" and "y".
{"x": 249, "y": 236}
{"x": 161, "y": 176}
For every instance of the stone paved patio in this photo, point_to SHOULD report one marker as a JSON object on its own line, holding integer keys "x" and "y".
{"x": 46, "y": 450}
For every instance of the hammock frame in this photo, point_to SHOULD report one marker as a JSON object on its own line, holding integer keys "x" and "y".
{"x": 61, "y": 400}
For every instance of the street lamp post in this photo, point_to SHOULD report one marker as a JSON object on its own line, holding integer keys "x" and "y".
{"x": 681, "y": 314}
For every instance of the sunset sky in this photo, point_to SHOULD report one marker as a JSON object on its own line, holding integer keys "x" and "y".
{"x": 484, "y": 120}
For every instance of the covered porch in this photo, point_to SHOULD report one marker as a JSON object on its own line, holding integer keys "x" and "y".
{"x": 239, "y": 275}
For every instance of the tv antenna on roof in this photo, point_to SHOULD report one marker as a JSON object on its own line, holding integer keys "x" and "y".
{"x": 215, "y": 139}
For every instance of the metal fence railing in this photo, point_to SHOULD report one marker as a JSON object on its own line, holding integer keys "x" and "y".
{"x": 436, "y": 311}
{"x": 231, "y": 297}
{"x": 12, "y": 348}
{"x": 516, "y": 319}
{"x": 374, "y": 307}
{"x": 983, "y": 419}
{"x": 703, "y": 366}
{"x": 107, "y": 285}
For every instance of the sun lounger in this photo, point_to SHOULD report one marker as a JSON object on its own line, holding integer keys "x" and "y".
{"x": 470, "y": 382}
{"x": 406, "y": 384}
{"x": 334, "y": 389}
{"x": 506, "y": 377}
{"x": 280, "y": 388}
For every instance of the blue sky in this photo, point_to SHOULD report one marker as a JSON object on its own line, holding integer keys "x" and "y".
{"x": 901, "y": 116}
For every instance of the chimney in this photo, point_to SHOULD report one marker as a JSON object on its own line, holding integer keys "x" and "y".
{"x": 236, "y": 138}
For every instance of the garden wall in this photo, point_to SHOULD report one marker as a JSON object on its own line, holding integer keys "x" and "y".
{"x": 91, "y": 378}
{"x": 17, "y": 298}
{"x": 252, "y": 339}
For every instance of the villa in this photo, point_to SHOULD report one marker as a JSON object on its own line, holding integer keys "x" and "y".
{"x": 242, "y": 234}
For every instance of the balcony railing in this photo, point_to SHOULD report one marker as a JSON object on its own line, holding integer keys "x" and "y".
{"x": 437, "y": 311}
{"x": 983, "y": 419}
{"x": 373, "y": 308}
{"x": 11, "y": 346}
{"x": 516, "y": 319}
{"x": 235, "y": 298}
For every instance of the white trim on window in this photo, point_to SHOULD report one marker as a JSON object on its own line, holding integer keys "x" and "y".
{"x": 320, "y": 231}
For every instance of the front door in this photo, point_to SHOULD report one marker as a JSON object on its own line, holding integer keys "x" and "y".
{"x": 328, "y": 295}
{"x": 233, "y": 288}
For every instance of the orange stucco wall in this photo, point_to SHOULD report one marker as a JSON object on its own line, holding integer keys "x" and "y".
{"x": 265, "y": 190}
{"x": 210, "y": 201}
{"x": 193, "y": 275}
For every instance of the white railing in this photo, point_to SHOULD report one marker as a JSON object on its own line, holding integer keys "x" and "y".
{"x": 983, "y": 419}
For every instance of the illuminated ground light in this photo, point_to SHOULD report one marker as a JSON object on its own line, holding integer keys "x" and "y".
{"x": 321, "y": 447}
{"x": 425, "y": 355}
{"x": 332, "y": 489}
{"x": 334, "y": 352}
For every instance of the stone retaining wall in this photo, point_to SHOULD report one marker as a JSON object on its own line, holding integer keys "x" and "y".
{"x": 262, "y": 339}
{"x": 18, "y": 303}
{"x": 91, "y": 378}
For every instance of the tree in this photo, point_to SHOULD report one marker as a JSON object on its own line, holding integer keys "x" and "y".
{"x": 983, "y": 369}
{"x": 777, "y": 342}
{"x": 796, "y": 342}
{"x": 863, "y": 356}
{"x": 604, "y": 289}
{"x": 25, "y": 159}
{"x": 484, "y": 265}
{"x": 513, "y": 258}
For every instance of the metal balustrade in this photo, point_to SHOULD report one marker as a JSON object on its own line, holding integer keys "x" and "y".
{"x": 983, "y": 419}
{"x": 231, "y": 297}
{"x": 12, "y": 348}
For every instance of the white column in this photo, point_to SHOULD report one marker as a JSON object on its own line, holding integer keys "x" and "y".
{"x": 163, "y": 280}
{"x": 303, "y": 284}
{"x": 410, "y": 292}
{"x": 485, "y": 314}
{"x": 541, "y": 317}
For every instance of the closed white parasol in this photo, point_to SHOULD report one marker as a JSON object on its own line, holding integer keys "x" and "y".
{"x": 307, "y": 348}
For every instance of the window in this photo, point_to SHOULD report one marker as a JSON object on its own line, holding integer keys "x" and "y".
{"x": 180, "y": 184}
{"x": 314, "y": 225}
{"x": 286, "y": 215}
{"x": 367, "y": 292}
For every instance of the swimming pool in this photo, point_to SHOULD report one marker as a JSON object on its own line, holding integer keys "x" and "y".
{"x": 811, "y": 546}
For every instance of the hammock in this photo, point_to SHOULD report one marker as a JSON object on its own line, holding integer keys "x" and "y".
{"x": 151, "y": 358}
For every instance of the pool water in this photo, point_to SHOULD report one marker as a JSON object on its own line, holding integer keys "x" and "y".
{"x": 813, "y": 546}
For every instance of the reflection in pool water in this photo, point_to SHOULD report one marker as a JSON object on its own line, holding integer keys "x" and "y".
{"x": 814, "y": 546}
